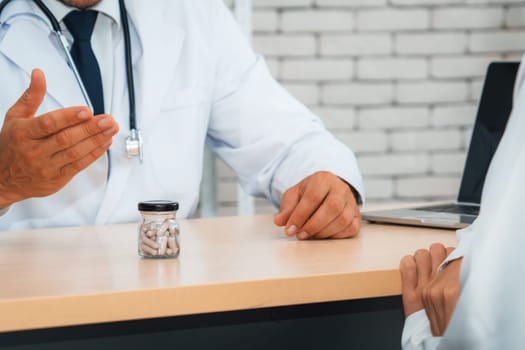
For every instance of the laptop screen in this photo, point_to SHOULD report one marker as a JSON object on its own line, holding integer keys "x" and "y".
{"x": 493, "y": 112}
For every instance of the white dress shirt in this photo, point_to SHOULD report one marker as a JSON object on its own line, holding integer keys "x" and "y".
{"x": 104, "y": 45}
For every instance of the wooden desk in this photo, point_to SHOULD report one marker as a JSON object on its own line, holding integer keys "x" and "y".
{"x": 85, "y": 275}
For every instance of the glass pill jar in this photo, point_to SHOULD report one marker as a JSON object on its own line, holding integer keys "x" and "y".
{"x": 158, "y": 229}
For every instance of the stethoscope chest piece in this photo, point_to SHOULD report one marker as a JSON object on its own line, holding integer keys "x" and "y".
{"x": 134, "y": 146}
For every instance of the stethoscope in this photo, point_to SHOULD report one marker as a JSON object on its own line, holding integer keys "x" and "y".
{"x": 134, "y": 144}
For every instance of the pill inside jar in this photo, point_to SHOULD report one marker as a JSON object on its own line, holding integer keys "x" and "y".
{"x": 158, "y": 230}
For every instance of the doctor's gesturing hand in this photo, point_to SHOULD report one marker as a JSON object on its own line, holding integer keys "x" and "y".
{"x": 40, "y": 155}
{"x": 321, "y": 206}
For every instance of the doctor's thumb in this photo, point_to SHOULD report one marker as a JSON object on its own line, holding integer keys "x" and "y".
{"x": 27, "y": 105}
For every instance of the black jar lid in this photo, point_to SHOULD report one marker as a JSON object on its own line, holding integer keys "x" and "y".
{"x": 158, "y": 205}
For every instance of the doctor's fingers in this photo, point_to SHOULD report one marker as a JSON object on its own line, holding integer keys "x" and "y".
{"x": 314, "y": 190}
{"x": 345, "y": 225}
{"x": 79, "y": 164}
{"x": 97, "y": 130}
{"x": 330, "y": 209}
{"x": 289, "y": 201}
{"x": 50, "y": 123}
{"x": 82, "y": 149}
{"x": 334, "y": 216}
{"x": 28, "y": 103}
{"x": 351, "y": 230}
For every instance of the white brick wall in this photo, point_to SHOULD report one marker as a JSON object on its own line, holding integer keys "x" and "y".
{"x": 498, "y": 41}
{"x": 316, "y": 20}
{"x": 357, "y": 44}
{"x": 426, "y": 140}
{"x": 432, "y": 92}
{"x": 460, "y": 67}
{"x": 431, "y": 43}
{"x": 438, "y": 187}
{"x": 515, "y": 16}
{"x": 392, "y": 164}
{"x": 392, "y": 19}
{"x": 391, "y": 68}
{"x": 364, "y": 141}
{"x": 396, "y": 80}
{"x": 468, "y": 17}
{"x": 357, "y": 94}
{"x": 285, "y": 45}
{"x": 317, "y": 70}
{"x": 386, "y": 118}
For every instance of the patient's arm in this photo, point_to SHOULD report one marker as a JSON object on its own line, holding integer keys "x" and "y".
{"x": 423, "y": 287}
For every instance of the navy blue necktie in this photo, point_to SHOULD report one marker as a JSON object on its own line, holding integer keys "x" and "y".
{"x": 80, "y": 24}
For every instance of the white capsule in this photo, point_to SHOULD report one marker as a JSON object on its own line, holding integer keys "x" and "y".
{"x": 172, "y": 243}
{"x": 163, "y": 228}
{"x": 162, "y": 242}
{"x": 148, "y": 241}
{"x": 147, "y": 250}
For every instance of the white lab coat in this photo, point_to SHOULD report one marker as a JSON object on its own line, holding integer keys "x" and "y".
{"x": 490, "y": 313}
{"x": 196, "y": 81}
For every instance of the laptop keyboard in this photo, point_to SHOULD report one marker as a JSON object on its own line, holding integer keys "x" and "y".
{"x": 453, "y": 208}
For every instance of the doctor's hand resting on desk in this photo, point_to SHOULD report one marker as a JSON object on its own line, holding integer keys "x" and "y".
{"x": 321, "y": 206}
{"x": 38, "y": 156}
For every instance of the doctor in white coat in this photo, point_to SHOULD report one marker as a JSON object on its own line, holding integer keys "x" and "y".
{"x": 196, "y": 81}
{"x": 476, "y": 300}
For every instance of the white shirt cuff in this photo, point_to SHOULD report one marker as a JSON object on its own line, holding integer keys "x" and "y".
{"x": 417, "y": 334}
{"x": 464, "y": 242}
{"x": 4, "y": 211}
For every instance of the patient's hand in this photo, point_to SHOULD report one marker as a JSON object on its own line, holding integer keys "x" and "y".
{"x": 425, "y": 288}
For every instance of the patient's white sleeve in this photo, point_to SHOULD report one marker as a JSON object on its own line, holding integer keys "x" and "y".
{"x": 3, "y": 211}
{"x": 464, "y": 237}
{"x": 417, "y": 334}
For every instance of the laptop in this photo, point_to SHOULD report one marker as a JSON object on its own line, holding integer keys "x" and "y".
{"x": 493, "y": 112}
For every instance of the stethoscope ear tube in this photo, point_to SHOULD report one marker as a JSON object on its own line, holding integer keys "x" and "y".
{"x": 49, "y": 15}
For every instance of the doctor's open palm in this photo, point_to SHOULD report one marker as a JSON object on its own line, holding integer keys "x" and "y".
{"x": 40, "y": 155}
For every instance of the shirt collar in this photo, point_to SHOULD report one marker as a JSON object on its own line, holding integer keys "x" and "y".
{"x": 110, "y": 8}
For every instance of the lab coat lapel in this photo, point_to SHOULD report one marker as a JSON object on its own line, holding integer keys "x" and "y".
{"x": 161, "y": 41}
{"x": 155, "y": 56}
{"x": 46, "y": 55}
